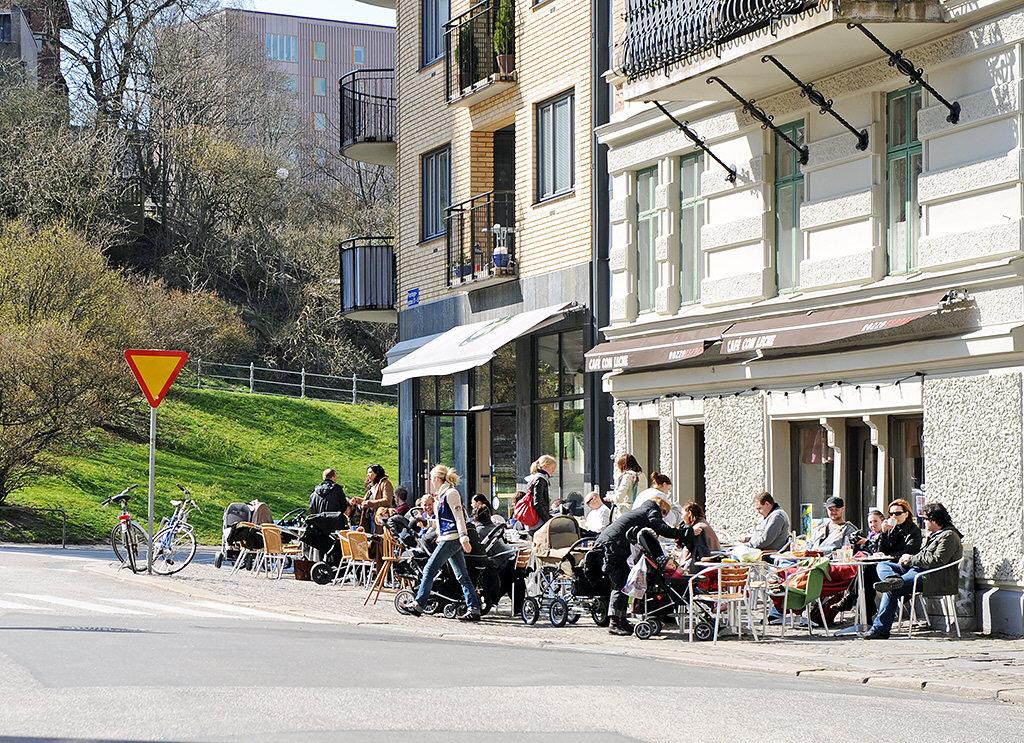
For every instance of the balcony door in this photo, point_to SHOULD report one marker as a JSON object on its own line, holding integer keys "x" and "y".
{"x": 504, "y": 172}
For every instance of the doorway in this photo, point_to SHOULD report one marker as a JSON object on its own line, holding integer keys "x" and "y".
{"x": 861, "y": 474}
{"x": 504, "y": 175}
{"x": 442, "y": 435}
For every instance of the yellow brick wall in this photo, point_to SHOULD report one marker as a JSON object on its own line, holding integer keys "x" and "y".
{"x": 552, "y": 56}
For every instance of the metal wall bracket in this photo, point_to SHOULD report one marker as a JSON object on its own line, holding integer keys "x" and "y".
{"x": 692, "y": 136}
{"x": 916, "y": 74}
{"x": 763, "y": 118}
{"x": 808, "y": 91}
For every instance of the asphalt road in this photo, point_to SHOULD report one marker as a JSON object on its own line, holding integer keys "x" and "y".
{"x": 87, "y": 657}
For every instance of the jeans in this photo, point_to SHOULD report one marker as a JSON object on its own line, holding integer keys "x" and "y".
{"x": 445, "y": 552}
{"x": 890, "y": 600}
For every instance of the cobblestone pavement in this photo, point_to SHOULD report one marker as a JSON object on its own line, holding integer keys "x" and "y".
{"x": 976, "y": 666}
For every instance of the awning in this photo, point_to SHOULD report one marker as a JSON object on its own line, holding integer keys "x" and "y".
{"x": 824, "y": 326}
{"x": 403, "y": 348}
{"x": 652, "y": 350}
{"x": 467, "y": 346}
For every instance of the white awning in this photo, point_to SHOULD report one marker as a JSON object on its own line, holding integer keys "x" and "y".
{"x": 468, "y": 346}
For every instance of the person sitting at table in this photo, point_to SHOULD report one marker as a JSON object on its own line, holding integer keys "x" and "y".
{"x": 705, "y": 541}
{"x": 869, "y": 544}
{"x": 896, "y": 579}
{"x": 599, "y": 515}
{"x": 900, "y": 533}
{"x": 772, "y": 532}
{"x": 834, "y": 533}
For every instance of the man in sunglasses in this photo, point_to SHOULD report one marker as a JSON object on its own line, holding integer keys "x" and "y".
{"x": 944, "y": 547}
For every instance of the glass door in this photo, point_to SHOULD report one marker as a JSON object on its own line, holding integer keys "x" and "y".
{"x": 862, "y": 474}
{"x": 443, "y": 436}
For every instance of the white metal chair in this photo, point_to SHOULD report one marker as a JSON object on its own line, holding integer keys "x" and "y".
{"x": 947, "y": 603}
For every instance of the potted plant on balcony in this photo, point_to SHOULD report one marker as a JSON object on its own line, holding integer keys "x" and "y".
{"x": 504, "y": 39}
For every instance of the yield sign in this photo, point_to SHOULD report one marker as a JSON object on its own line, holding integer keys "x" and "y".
{"x": 155, "y": 371}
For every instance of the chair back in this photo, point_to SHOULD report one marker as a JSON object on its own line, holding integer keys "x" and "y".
{"x": 272, "y": 544}
{"x": 346, "y": 545}
{"x": 733, "y": 577}
{"x": 390, "y": 546}
{"x": 360, "y": 545}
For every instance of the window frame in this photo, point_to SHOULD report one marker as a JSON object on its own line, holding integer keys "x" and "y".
{"x": 796, "y": 180}
{"x": 281, "y": 47}
{"x": 361, "y": 52}
{"x": 321, "y": 79}
{"x": 562, "y": 401}
{"x": 431, "y": 21}
{"x": 550, "y": 105}
{"x": 428, "y": 163}
{"x": 319, "y": 116}
{"x": 695, "y": 204}
{"x": 317, "y": 45}
{"x": 650, "y": 219}
{"x": 904, "y": 153}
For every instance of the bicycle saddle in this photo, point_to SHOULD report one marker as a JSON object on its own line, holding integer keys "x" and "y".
{"x": 176, "y": 503}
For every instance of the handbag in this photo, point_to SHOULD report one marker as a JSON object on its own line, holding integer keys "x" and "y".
{"x": 524, "y": 512}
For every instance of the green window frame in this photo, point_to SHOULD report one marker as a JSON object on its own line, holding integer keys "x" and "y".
{"x": 902, "y": 169}
{"x": 646, "y": 237}
{"x": 691, "y": 219}
{"x": 789, "y": 194}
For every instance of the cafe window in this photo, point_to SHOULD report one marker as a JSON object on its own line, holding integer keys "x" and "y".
{"x": 558, "y": 407}
{"x": 906, "y": 442}
{"x": 494, "y": 383}
{"x": 436, "y": 393}
{"x": 812, "y": 470}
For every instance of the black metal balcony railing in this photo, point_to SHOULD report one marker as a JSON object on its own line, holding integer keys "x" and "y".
{"x": 367, "y": 107}
{"x": 661, "y": 32}
{"x": 368, "y": 277}
{"x": 471, "y": 54}
{"x": 481, "y": 237}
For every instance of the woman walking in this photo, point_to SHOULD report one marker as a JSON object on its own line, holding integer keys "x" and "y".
{"x": 452, "y": 544}
{"x": 627, "y": 480}
{"x": 380, "y": 493}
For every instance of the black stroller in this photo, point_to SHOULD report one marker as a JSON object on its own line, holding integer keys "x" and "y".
{"x": 318, "y": 534}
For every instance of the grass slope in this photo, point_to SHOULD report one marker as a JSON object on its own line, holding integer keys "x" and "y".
{"x": 224, "y": 447}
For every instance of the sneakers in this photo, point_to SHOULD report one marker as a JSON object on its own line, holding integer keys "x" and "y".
{"x": 469, "y": 616}
{"x": 413, "y": 608}
{"x": 887, "y": 585}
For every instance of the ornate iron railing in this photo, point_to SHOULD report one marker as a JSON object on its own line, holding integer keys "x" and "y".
{"x": 367, "y": 107}
{"x": 481, "y": 237}
{"x": 471, "y": 54}
{"x": 661, "y": 32}
{"x": 368, "y": 275}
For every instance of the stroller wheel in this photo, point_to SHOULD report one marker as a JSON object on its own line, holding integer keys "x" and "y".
{"x": 321, "y": 573}
{"x": 657, "y": 625}
{"x": 218, "y": 560}
{"x": 599, "y": 612}
{"x": 703, "y": 631}
{"x": 558, "y": 612}
{"x": 450, "y": 610}
{"x": 403, "y": 599}
{"x": 573, "y": 618}
{"x": 433, "y": 606}
{"x": 644, "y": 630}
{"x": 531, "y": 611}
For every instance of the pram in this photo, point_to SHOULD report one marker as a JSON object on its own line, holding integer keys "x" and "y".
{"x": 667, "y": 598}
{"x": 240, "y": 529}
{"x": 566, "y": 578}
{"x": 318, "y": 534}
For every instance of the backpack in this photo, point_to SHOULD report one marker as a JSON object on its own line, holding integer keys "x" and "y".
{"x": 524, "y": 512}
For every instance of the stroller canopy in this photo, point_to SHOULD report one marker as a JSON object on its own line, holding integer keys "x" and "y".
{"x": 236, "y": 513}
{"x": 556, "y": 537}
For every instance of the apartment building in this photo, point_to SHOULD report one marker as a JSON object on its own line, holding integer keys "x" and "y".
{"x": 816, "y": 263}
{"x": 26, "y": 36}
{"x": 498, "y": 293}
{"x": 313, "y": 54}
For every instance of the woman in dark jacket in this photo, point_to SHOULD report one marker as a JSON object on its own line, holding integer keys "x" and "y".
{"x": 903, "y": 537}
{"x": 539, "y": 483}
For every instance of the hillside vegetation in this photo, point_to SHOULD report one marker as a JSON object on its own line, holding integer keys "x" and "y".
{"x": 223, "y": 446}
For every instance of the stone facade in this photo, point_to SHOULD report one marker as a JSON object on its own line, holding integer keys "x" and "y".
{"x": 735, "y": 459}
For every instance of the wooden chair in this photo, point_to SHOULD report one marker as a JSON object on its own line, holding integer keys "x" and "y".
{"x": 273, "y": 552}
{"x": 390, "y": 553}
{"x": 245, "y": 549}
{"x": 359, "y": 556}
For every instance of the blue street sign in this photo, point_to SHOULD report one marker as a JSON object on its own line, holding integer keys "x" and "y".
{"x": 412, "y": 297}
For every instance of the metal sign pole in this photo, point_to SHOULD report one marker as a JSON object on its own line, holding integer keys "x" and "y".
{"x": 152, "y": 485}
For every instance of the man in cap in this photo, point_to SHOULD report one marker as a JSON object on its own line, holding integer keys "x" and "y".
{"x": 835, "y": 533}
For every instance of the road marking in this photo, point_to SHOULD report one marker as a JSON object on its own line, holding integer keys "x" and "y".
{"x": 84, "y": 605}
{"x": 22, "y": 607}
{"x": 168, "y": 608}
{"x": 257, "y": 613}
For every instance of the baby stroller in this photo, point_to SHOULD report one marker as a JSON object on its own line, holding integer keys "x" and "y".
{"x": 318, "y": 535}
{"x": 237, "y": 529}
{"x": 667, "y": 597}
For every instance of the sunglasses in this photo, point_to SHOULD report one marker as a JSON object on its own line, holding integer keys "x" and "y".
{"x": 896, "y": 513}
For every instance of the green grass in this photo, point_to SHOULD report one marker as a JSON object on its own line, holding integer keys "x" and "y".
{"x": 224, "y": 447}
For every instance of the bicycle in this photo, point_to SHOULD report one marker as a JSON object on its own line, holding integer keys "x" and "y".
{"x": 128, "y": 540}
{"x": 174, "y": 545}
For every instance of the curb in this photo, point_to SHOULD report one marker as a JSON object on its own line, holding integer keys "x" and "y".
{"x": 791, "y": 666}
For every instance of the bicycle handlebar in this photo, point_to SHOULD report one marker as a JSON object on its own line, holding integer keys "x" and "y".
{"x": 123, "y": 493}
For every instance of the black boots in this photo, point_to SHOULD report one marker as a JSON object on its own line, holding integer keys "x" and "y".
{"x": 619, "y": 626}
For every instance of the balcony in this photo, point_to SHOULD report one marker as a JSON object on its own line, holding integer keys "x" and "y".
{"x": 368, "y": 279}
{"x": 368, "y": 116}
{"x": 481, "y": 240}
{"x": 480, "y": 51}
{"x": 670, "y": 46}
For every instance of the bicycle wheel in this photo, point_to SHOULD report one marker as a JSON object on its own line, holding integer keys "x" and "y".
{"x": 136, "y": 556}
{"x": 172, "y": 550}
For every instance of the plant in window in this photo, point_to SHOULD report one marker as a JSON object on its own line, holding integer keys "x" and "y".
{"x": 504, "y": 38}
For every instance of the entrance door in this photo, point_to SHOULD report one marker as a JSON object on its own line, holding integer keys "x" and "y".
{"x": 503, "y": 457}
{"x": 862, "y": 474}
{"x": 443, "y": 438}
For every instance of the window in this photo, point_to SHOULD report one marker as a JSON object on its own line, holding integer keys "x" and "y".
{"x": 554, "y": 147}
{"x": 812, "y": 471}
{"x": 903, "y": 166}
{"x": 789, "y": 193}
{"x": 906, "y": 444}
{"x": 358, "y": 55}
{"x": 646, "y": 236}
{"x": 291, "y": 83}
{"x": 5, "y": 27}
{"x": 558, "y": 407}
{"x": 436, "y": 189}
{"x": 319, "y": 51}
{"x": 435, "y": 15}
{"x": 691, "y": 218}
{"x": 319, "y": 86}
{"x": 282, "y": 48}
{"x": 319, "y": 121}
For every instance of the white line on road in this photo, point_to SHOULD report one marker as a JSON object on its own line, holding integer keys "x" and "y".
{"x": 170, "y": 609}
{"x": 84, "y": 605}
{"x": 257, "y": 613}
{"x": 22, "y": 607}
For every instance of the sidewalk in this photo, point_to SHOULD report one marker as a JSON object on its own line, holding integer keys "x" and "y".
{"x": 975, "y": 666}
